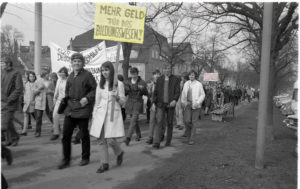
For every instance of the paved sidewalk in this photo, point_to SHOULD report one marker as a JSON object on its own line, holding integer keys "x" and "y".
{"x": 36, "y": 159}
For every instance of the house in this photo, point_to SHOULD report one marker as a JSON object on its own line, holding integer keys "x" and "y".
{"x": 27, "y": 56}
{"x": 183, "y": 53}
{"x": 146, "y": 57}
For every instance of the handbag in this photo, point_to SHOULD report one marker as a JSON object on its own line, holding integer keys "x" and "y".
{"x": 62, "y": 106}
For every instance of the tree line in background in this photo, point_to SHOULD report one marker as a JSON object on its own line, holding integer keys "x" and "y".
{"x": 214, "y": 29}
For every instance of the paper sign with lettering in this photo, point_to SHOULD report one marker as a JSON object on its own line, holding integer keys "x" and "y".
{"x": 211, "y": 77}
{"x": 118, "y": 22}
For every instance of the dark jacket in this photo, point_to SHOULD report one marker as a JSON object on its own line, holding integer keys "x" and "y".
{"x": 83, "y": 85}
{"x": 135, "y": 102}
{"x": 173, "y": 89}
{"x": 11, "y": 89}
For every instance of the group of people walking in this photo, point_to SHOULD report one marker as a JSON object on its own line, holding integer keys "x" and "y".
{"x": 100, "y": 109}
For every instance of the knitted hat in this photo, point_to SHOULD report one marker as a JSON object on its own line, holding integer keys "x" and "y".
{"x": 77, "y": 56}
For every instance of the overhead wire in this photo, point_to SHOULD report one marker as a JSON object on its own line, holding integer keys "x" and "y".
{"x": 51, "y": 18}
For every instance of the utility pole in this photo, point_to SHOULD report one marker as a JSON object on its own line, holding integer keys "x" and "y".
{"x": 264, "y": 85}
{"x": 38, "y": 38}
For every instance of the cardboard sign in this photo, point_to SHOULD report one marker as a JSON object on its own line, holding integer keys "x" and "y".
{"x": 118, "y": 22}
{"x": 211, "y": 77}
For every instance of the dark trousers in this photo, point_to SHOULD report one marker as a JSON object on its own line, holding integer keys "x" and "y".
{"x": 134, "y": 124}
{"x": 69, "y": 125}
{"x": 161, "y": 113}
{"x": 4, "y": 153}
{"x": 123, "y": 113}
{"x": 49, "y": 112}
{"x": 39, "y": 120}
{"x": 7, "y": 125}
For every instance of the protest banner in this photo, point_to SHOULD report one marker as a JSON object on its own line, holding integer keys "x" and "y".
{"x": 211, "y": 77}
{"x": 94, "y": 57}
{"x": 119, "y": 22}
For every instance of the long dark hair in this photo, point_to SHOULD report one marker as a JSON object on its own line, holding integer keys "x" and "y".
{"x": 111, "y": 68}
{"x": 31, "y": 73}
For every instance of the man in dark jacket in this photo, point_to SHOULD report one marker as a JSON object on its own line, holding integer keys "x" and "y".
{"x": 80, "y": 92}
{"x": 11, "y": 90}
{"x": 165, "y": 96}
{"x": 135, "y": 88}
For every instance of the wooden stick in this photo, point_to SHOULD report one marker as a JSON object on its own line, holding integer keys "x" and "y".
{"x": 115, "y": 83}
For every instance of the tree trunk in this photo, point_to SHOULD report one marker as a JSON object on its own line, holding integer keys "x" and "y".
{"x": 126, "y": 53}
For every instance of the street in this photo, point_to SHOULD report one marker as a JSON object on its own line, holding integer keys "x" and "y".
{"x": 222, "y": 157}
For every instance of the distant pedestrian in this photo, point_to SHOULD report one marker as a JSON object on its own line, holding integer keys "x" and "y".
{"x": 152, "y": 117}
{"x": 11, "y": 90}
{"x": 192, "y": 98}
{"x": 179, "y": 109}
{"x": 40, "y": 101}
{"x": 135, "y": 88}
{"x": 59, "y": 94}
{"x": 50, "y": 89}
{"x": 103, "y": 127}
{"x": 166, "y": 94}
{"x": 29, "y": 102}
{"x": 80, "y": 92}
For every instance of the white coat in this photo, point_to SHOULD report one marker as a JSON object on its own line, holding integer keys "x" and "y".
{"x": 102, "y": 112}
{"x": 198, "y": 93}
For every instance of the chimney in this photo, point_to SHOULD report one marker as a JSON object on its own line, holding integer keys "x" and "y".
{"x": 71, "y": 44}
{"x": 31, "y": 46}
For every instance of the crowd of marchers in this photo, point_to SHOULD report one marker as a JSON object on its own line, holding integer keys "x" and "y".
{"x": 86, "y": 106}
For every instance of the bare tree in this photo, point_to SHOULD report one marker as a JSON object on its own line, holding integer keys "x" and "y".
{"x": 86, "y": 11}
{"x": 245, "y": 21}
{"x": 10, "y": 39}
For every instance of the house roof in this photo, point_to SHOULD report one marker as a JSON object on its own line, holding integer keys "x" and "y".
{"x": 185, "y": 47}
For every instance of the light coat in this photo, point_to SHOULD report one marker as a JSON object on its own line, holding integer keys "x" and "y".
{"x": 40, "y": 90}
{"x": 198, "y": 93}
{"x": 102, "y": 113}
{"x": 29, "y": 103}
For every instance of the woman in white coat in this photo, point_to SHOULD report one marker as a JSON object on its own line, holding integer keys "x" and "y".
{"x": 192, "y": 97}
{"x": 29, "y": 102}
{"x": 59, "y": 94}
{"x": 102, "y": 127}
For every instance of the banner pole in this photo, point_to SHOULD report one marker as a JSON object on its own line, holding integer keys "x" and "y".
{"x": 115, "y": 83}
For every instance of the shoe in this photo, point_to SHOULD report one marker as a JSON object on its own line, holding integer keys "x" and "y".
{"x": 138, "y": 138}
{"x": 183, "y": 135}
{"x": 155, "y": 145}
{"x": 84, "y": 162}
{"x": 64, "y": 164}
{"x": 150, "y": 141}
{"x": 76, "y": 141}
{"x": 37, "y": 134}
{"x": 162, "y": 138}
{"x": 7, "y": 143}
{"x": 127, "y": 141}
{"x": 29, "y": 127}
{"x": 180, "y": 128}
{"x": 120, "y": 158}
{"x": 191, "y": 142}
{"x": 177, "y": 126}
{"x": 8, "y": 157}
{"x": 54, "y": 137}
{"x": 15, "y": 142}
{"x": 103, "y": 167}
{"x": 23, "y": 134}
{"x": 168, "y": 144}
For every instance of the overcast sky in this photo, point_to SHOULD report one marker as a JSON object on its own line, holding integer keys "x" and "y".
{"x": 60, "y": 21}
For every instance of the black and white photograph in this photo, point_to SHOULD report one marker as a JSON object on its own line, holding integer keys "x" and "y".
{"x": 149, "y": 95}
